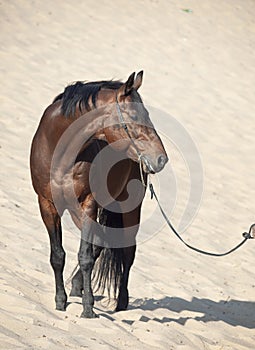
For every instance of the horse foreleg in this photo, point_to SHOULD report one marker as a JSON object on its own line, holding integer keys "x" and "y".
{"x": 87, "y": 261}
{"x": 77, "y": 280}
{"x": 52, "y": 222}
{"x": 87, "y": 256}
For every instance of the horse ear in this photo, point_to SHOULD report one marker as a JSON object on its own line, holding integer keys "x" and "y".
{"x": 138, "y": 80}
{"x": 127, "y": 87}
{"x": 129, "y": 83}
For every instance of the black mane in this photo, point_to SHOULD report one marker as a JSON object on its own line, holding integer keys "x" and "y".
{"x": 80, "y": 93}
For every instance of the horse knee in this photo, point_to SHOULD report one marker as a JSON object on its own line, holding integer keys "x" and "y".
{"x": 57, "y": 258}
{"x": 86, "y": 262}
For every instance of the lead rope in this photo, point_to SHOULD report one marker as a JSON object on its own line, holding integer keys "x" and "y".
{"x": 246, "y": 235}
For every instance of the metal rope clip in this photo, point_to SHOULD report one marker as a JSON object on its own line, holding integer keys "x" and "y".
{"x": 250, "y": 234}
{"x": 151, "y": 189}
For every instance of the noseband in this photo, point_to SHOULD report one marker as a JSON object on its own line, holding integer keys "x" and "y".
{"x": 141, "y": 158}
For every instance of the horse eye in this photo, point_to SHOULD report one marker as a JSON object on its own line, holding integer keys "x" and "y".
{"x": 134, "y": 117}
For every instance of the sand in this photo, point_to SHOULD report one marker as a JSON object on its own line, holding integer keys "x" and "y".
{"x": 198, "y": 58}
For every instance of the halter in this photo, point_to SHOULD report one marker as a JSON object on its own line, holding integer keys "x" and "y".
{"x": 141, "y": 158}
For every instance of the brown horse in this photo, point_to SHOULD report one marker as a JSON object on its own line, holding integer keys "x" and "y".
{"x": 94, "y": 144}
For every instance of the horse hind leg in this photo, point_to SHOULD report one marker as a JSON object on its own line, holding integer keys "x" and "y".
{"x": 125, "y": 255}
{"x": 77, "y": 284}
{"x": 128, "y": 259}
{"x": 130, "y": 227}
{"x": 52, "y": 222}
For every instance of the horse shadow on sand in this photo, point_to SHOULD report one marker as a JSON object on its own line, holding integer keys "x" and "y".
{"x": 231, "y": 311}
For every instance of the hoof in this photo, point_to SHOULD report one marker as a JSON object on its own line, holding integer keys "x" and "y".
{"x": 61, "y": 306}
{"x": 122, "y": 304}
{"x": 120, "y": 308}
{"x": 89, "y": 314}
{"x": 123, "y": 299}
{"x": 61, "y": 302}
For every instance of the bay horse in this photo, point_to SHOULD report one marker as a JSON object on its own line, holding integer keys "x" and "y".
{"x": 68, "y": 173}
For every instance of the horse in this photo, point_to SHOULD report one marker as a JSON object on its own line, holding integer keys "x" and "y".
{"x": 70, "y": 171}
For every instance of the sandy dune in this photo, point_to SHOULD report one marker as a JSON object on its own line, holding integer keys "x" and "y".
{"x": 198, "y": 58}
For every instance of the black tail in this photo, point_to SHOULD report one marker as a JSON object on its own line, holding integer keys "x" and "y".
{"x": 108, "y": 270}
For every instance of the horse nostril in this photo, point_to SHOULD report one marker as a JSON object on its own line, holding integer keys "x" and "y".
{"x": 162, "y": 161}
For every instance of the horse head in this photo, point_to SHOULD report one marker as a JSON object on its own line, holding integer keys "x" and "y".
{"x": 128, "y": 126}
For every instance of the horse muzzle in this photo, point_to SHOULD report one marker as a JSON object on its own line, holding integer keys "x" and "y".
{"x": 152, "y": 167}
